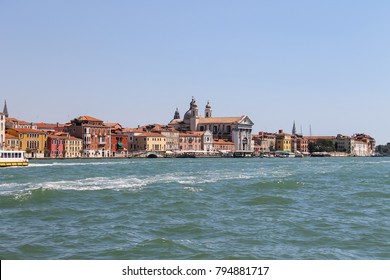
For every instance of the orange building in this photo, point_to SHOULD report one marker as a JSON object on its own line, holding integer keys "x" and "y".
{"x": 95, "y": 135}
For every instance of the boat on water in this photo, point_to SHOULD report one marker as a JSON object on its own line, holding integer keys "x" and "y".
{"x": 13, "y": 158}
{"x": 284, "y": 154}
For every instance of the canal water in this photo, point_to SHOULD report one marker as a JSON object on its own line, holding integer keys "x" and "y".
{"x": 226, "y": 208}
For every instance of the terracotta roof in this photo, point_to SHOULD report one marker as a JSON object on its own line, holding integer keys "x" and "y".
{"x": 192, "y": 134}
{"x": 150, "y": 134}
{"x": 225, "y": 120}
{"x": 27, "y": 130}
{"x": 17, "y": 121}
{"x": 222, "y": 142}
{"x": 57, "y": 137}
{"x": 88, "y": 118}
{"x": 11, "y": 119}
{"x": 48, "y": 125}
{"x": 9, "y": 136}
{"x": 74, "y": 138}
{"x": 319, "y": 137}
{"x": 113, "y": 125}
{"x": 139, "y": 130}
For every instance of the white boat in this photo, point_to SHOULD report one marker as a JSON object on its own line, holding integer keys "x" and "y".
{"x": 13, "y": 158}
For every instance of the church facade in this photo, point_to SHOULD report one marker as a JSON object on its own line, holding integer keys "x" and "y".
{"x": 235, "y": 129}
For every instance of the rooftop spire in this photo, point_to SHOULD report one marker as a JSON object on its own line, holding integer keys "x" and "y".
{"x": 5, "y": 110}
{"x": 294, "y": 130}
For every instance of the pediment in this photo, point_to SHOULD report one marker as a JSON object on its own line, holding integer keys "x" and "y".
{"x": 246, "y": 120}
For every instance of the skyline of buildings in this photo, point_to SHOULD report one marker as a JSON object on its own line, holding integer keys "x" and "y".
{"x": 88, "y": 136}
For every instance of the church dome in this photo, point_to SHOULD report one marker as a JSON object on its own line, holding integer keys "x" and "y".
{"x": 187, "y": 115}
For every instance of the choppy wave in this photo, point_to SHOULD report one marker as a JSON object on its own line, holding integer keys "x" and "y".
{"x": 193, "y": 208}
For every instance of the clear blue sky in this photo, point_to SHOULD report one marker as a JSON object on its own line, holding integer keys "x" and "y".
{"x": 320, "y": 63}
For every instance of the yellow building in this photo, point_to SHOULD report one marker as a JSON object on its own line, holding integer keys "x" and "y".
{"x": 150, "y": 142}
{"x": 73, "y": 147}
{"x": 32, "y": 141}
{"x": 12, "y": 143}
{"x": 284, "y": 142}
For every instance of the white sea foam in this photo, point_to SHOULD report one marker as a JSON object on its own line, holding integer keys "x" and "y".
{"x": 193, "y": 189}
{"x": 77, "y": 163}
{"x": 96, "y": 183}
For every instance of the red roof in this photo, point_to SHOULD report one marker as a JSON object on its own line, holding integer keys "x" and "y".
{"x": 150, "y": 134}
{"x": 27, "y": 130}
{"x": 88, "y": 118}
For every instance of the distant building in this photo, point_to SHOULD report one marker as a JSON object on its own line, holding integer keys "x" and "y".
{"x": 344, "y": 144}
{"x": 265, "y": 142}
{"x": 95, "y": 135}
{"x": 119, "y": 140}
{"x": 284, "y": 142}
{"x": 32, "y": 141}
{"x": 73, "y": 147}
{"x": 190, "y": 142}
{"x": 50, "y": 127}
{"x": 150, "y": 142}
{"x": 235, "y": 129}
{"x": 131, "y": 134}
{"x": 56, "y": 145}
{"x": 15, "y": 123}
{"x": 12, "y": 143}
{"x": 368, "y": 140}
{"x": 302, "y": 144}
{"x": 223, "y": 146}
{"x": 171, "y": 134}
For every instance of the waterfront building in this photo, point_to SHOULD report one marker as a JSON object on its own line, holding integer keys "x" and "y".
{"x": 360, "y": 149}
{"x": 265, "y": 142}
{"x": 12, "y": 143}
{"x": 344, "y": 144}
{"x": 171, "y": 134}
{"x": 371, "y": 143}
{"x": 207, "y": 141}
{"x": 223, "y": 146}
{"x": 235, "y": 129}
{"x": 172, "y": 139}
{"x": 56, "y": 145}
{"x": 284, "y": 142}
{"x": 190, "y": 142}
{"x": 119, "y": 140}
{"x": 302, "y": 144}
{"x": 95, "y": 135}
{"x": 131, "y": 133}
{"x": 150, "y": 142}
{"x": 32, "y": 141}
{"x": 73, "y": 147}
{"x": 2, "y": 131}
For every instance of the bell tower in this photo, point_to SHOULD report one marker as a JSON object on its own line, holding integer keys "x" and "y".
{"x": 194, "y": 115}
{"x": 208, "y": 111}
{"x": 5, "y": 110}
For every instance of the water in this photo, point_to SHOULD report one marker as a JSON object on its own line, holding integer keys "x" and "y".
{"x": 314, "y": 208}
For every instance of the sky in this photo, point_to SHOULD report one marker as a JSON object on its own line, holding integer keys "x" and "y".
{"x": 322, "y": 64}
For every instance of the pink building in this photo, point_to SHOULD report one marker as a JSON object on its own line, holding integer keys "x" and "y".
{"x": 56, "y": 146}
{"x": 190, "y": 142}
